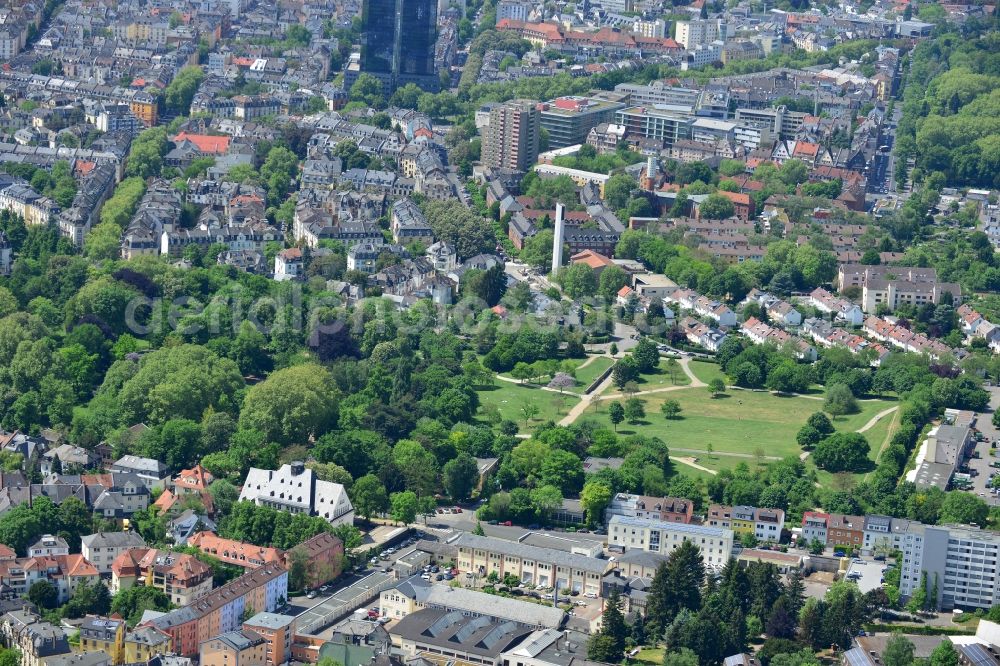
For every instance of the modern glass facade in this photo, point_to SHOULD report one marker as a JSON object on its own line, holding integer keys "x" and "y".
{"x": 398, "y": 42}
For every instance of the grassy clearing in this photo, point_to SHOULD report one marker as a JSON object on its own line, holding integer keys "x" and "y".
{"x": 706, "y": 371}
{"x": 650, "y": 656}
{"x": 508, "y": 399}
{"x": 739, "y": 422}
{"x": 660, "y": 378}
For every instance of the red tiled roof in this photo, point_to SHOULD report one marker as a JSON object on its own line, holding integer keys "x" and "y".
{"x": 215, "y": 145}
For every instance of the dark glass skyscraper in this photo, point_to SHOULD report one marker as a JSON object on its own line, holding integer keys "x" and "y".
{"x": 398, "y": 42}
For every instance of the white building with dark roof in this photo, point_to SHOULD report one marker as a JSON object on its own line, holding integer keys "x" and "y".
{"x": 296, "y": 489}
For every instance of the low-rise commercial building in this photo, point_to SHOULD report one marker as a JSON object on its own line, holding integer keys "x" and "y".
{"x": 414, "y": 595}
{"x": 442, "y": 636}
{"x": 533, "y": 565}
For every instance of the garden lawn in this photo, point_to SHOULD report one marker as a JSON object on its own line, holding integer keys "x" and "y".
{"x": 706, "y": 371}
{"x": 650, "y": 656}
{"x": 739, "y": 422}
{"x": 660, "y": 378}
{"x": 508, "y": 399}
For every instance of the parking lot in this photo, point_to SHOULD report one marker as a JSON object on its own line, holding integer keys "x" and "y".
{"x": 866, "y": 573}
{"x": 980, "y": 466}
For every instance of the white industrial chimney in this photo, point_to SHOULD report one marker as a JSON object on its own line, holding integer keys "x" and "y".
{"x": 557, "y": 240}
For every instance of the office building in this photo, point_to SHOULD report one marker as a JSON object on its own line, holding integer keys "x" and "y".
{"x": 397, "y": 45}
{"x": 764, "y": 524}
{"x": 511, "y": 138}
{"x": 775, "y": 123}
{"x": 700, "y": 32}
{"x": 533, "y": 565}
{"x": 658, "y": 92}
{"x": 716, "y": 543}
{"x": 296, "y": 489}
{"x": 663, "y": 123}
{"x": 568, "y": 120}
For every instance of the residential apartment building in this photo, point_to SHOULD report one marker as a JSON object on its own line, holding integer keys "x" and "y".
{"x": 884, "y": 534}
{"x": 691, "y": 34}
{"x": 844, "y": 530}
{"x": 64, "y": 572}
{"x": 36, "y": 639}
{"x": 510, "y": 141}
{"x": 153, "y": 473}
{"x": 814, "y": 526}
{"x": 277, "y": 631}
{"x": 104, "y": 634}
{"x": 533, "y": 565}
{"x": 842, "y": 308}
{"x": 665, "y": 509}
{"x": 888, "y": 287}
{"x": 833, "y": 529}
{"x": 764, "y": 524}
{"x": 103, "y": 548}
{"x": 716, "y": 543}
{"x": 233, "y": 648}
{"x": 262, "y": 589}
{"x": 183, "y": 578}
{"x": 235, "y": 552}
{"x": 296, "y": 489}
{"x": 569, "y": 119}
{"x": 961, "y": 562}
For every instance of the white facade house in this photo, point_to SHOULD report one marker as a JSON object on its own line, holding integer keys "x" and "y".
{"x": 295, "y": 489}
{"x": 961, "y": 562}
{"x": 101, "y": 548}
{"x": 716, "y": 543}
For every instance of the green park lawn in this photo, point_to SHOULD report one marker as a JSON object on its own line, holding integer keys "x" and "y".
{"x": 508, "y": 399}
{"x": 660, "y": 378}
{"x": 706, "y": 371}
{"x": 738, "y": 422}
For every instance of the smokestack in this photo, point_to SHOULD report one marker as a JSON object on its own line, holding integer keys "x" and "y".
{"x": 650, "y": 179}
{"x": 557, "y": 240}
